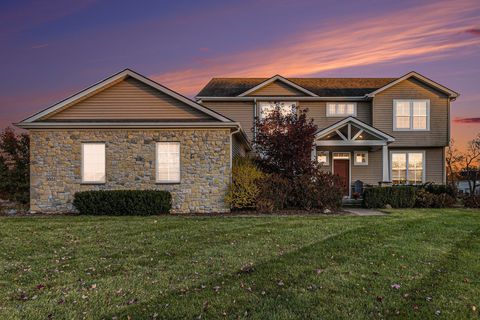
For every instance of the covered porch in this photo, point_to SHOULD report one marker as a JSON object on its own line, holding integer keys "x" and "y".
{"x": 356, "y": 152}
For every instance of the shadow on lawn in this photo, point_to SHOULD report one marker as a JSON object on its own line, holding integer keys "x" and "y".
{"x": 321, "y": 279}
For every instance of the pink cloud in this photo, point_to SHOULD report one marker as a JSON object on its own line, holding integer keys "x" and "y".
{"x": 334, "y": 45}
{"x": 475, "y": 31}
{"x": 467, "y": 120}
{"x": 39, "y": 46}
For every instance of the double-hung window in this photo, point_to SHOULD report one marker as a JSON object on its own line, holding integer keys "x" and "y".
{"x": 93, "y": 163}
{"x": 167, "y": 162}
{"x": 411, "y": 115}
{"x": 265, "y": 108}
{"x": 341, "y": 109}
{"x": 408, "y": 167}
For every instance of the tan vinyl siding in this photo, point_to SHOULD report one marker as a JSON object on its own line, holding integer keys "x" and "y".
{"x": 130, "y": 100}
{"x": 371, "y": 173}
{"x": 413, "y": 89}
{"x": 277, "y": 88}
{"x": 318, "y": 111}
{"x": 238, "y": 111}
{"x": 238, "y": 150}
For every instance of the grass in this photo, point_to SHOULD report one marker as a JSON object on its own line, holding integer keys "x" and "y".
{"x": 275, "y": 267}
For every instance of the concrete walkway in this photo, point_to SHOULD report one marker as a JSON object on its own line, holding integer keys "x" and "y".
{"x": 363, "y": 211}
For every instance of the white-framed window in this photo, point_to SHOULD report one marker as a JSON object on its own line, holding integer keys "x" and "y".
{"x": 265, "y": 108}
{"x": 167, "y": 163}
{"x": 341, "y": 155}
{"x": 411, "y": 115}
{"x": 407, "y": 167}
{"x": 93, "y": 162}
{"x": 360, "y": 158}
{"x": 323, "y": 158}
{"x": 341, "y": 109}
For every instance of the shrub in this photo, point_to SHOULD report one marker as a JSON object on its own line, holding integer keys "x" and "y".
{"x": 123, "y": 202}
{"x": 443, "y": 200}
{"x": 423, "y": 199}
{"x": 472, "y": 201}
{"x": 243, "y": 190}
{"x": 319, "y": 190}
{"x": 440, "y": 189}
{"x": 274, "y": 190}
{"x": 396, "y": 197}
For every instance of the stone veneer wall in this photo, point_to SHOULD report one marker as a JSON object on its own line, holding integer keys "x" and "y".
{"x": 130, "y": 164}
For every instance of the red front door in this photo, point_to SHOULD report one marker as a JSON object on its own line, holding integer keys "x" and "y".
{"x": 341, "y": 168}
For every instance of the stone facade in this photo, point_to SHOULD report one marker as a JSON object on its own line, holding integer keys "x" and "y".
{"x": 130, "y": 164}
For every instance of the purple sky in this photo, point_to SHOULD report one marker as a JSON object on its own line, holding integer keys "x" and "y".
{"x": 51, "y": 49}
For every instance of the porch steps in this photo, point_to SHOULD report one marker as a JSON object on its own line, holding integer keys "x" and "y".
{"x": 352, "y": 203}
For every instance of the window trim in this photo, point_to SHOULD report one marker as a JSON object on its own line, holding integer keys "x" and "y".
{"x": 83, "y": 143}
{"x": 410, "y": 101}
{"x": 330, "y": 115}
{"x": 259, "y": 105}
{"x": 360, "y": 163}
{"x": 157, "y": 181}
{"x": 327, "y": 154}
{"x": 424, "y": 163}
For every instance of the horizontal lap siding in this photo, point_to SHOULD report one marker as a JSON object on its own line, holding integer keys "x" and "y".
{"x": 413, "y": 89}
{"x": 318, "y": 111}
{"x": 277, "y": 88}
{"x": 239, "y": 111}
{"x": 130, "y": 100}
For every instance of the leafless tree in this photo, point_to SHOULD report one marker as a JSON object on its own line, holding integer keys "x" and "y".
{"x": 470, "y": 163}
{"x": 454, "y": 159}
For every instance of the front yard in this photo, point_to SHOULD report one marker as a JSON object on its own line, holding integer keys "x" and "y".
{"x": 412, "y": 262}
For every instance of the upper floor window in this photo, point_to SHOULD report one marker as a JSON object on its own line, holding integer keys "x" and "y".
{"x": 341, "y": 109}
{"x": 265, "y": 108}
{"x": 93, "y": 162}
{"x": 168, "y": 162}
{"x": 411, "y": 115}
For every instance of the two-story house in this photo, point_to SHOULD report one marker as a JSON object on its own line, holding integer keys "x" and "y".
{"x": 373, "y": 130}
{"x": 130, "y": 132}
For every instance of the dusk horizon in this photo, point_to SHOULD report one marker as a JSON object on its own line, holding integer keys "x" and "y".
{"x": 52, "y": 50}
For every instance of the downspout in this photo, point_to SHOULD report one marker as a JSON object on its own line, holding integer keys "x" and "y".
{"x": 231, "y": 148}
{"x": 254, "y": 119}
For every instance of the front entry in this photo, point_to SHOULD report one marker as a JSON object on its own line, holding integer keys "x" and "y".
{"x": 341, "y": 168}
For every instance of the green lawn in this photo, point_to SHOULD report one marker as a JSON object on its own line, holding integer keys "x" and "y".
{"x": 273, "y": 267}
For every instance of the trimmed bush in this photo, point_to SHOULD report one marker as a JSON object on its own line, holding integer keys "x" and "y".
{"x": 396, "y": 197}
{"x": 440, "y": 189}
{"x": 435, "y": 196}
{"x": 424, "y": 199}
{"x": 243, "y": 190}
{"x": 472, "y": 201}
{"x": 123, "y": 202}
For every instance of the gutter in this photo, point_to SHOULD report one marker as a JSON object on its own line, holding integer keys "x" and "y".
{"x": 124, "y": 125}
{"x": 289, "y": 98}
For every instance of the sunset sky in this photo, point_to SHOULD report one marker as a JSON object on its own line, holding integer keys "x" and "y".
{"x": 51, "y": 49}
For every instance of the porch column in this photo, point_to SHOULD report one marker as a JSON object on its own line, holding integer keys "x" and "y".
{"x": 314, "y": 152}
{"x": 385, "y": 172}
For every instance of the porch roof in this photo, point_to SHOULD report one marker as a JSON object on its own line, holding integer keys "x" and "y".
{"x": 352, "y": 132}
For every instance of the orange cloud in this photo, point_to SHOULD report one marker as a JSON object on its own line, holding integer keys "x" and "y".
{"x": 436, "y": 32}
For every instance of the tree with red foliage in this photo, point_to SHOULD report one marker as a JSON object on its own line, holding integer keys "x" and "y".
{"x": 14, "y": 165}
{"x": 284, "y": 143}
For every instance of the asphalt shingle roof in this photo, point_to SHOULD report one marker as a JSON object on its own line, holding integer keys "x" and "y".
{"x": 323, "y": 87}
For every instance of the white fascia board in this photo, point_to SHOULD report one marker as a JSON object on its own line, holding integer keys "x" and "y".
{"x": 359, "y": 123}
{"x": 121, "y": 125}
{"x": 354, "y": 143}
{"x": 279, "y": 78}
{"x": 424, "y": 79}
{"x": 281, "y": 98}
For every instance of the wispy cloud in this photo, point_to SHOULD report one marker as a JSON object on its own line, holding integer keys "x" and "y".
{"x": 39, "y": 46}
{"x": 475, "y": 31}
{"x": 438, "y": 32}
{"x": 467, "y": 120}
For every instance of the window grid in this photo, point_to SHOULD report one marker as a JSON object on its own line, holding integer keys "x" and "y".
{"x": 168, "y": 162}
{"x": 411, "y": 115}
{"x": 267, "y": 107}
{"x": 93, "y": 163}
{"x": 341, "y": 109}
{"x": 407, "y": 167}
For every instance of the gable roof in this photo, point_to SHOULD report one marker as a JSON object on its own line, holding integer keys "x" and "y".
{"x": 114, "y": 79}
{"x": 365, "y": 126}
{"x": 281, "y": 79}
{"x": 319, "y": 87}
{"x": 418, "y": 76}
